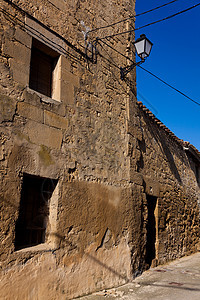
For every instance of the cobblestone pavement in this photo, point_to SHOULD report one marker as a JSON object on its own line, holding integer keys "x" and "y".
{"x": 178, "y": 280}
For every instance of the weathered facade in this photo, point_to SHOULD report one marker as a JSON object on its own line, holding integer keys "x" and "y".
{"x": 94, "y": 189}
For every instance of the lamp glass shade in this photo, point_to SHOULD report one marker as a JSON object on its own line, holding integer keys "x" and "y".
{"x": 143, "y": 46}
{"x": 148, "y": 46}
{"x": 140, "y": 47}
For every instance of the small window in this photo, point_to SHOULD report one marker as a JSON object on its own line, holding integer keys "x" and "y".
{"x": 42, "y": 67}
{"x": 33, "y": 216}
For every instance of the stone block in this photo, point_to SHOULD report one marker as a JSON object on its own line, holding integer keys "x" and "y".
{"x": 56, "y": 89}
{"x": 29, "y": 111}
{"x": 64, "y": 82}
{"x": 56, "y": 80}
{"x": 152, "y": 187}
{"x": 67, "y": 93}
{"x": 65, "y": 63}
{"x": 41, "y": 134}
{"x": 69, "y": 77}
{"x": 136, "y": 178}
{"x": 8, "y": 48}
{"x": 34, "y": 98}
{"x": 31, "y": 97}
{"x": 17, "y": 51}
{"x": 48, "y": 38}
{"x": 22, "y": 54}
{"x": 55, "y": 120}
{"x": 7, "y": 108}
{"x": 20, "y": 72}
{"x": 23, "y": 37}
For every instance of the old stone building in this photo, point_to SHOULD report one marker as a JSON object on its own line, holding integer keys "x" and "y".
{"x": 94, "y": 189}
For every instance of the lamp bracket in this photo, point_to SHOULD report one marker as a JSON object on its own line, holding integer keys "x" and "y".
{"x": 124, "y": 71}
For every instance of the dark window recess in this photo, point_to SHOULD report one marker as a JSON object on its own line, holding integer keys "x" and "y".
{"x": 34, "y": 211}
{"x": 43, "y": 62}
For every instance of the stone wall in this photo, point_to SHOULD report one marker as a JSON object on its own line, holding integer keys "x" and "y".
{"x": 78, "y": 137}
{"x": 102, "y": 155}
{"x": 165, "y": 170}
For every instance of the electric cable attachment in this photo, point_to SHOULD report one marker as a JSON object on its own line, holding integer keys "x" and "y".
{"x": 90, "y": 48}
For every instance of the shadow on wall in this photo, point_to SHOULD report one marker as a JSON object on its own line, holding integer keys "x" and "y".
{"x": 170, "y": 159}
{"x": 95, "y": 259}
{"x": 107, "y": 267}
{"x": 194, "y": 166}
{"x": 161, "y": 141}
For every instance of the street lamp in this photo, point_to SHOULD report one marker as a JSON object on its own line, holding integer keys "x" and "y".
{"x": 143, "y": 48}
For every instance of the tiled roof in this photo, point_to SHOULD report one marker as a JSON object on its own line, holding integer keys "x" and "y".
{"x": 184, "y": 144}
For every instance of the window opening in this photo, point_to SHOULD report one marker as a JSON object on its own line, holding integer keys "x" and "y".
{"x": 151, "y": 230}
{"x": 33, "y": 216}
{"x": 42, "y": 66}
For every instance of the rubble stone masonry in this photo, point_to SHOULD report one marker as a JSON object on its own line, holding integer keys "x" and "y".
{"x": 117, "y": 192}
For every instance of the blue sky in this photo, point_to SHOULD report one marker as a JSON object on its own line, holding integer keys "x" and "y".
{"x": 175, "y": 58}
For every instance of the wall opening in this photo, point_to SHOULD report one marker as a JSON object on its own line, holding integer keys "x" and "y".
{"x": 43, "y": 69}
{"x": 151, "y": 230}
{"x": 30, "y": 229}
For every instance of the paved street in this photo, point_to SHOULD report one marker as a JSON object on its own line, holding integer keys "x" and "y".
{"x": 177, "y": 280}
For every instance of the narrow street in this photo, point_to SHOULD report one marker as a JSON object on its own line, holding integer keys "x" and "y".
{"x": 178, "y": 280}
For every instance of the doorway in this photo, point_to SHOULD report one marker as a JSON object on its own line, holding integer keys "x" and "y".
{"x": 151, "y": 230}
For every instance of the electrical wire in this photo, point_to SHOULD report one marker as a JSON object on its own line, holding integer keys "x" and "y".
{"x": 149, "y": 104}
{"x": 152, "y": 23}
{"x": 129, "y": 18}
{"x": 155, "y": 76}
{"x": 110, "y": 61}
{"x": 37, "y": 33}
{"x": 169, "y": 17}
{"x": 115, "y": 50}
{"x": 183, "y": 94}
{"x": 169, "y": 85}
{"x": 23, "y": 25}
{"x": 42, "y": 37}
